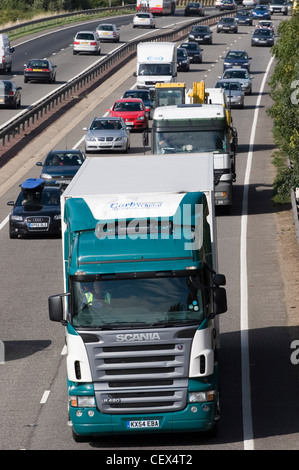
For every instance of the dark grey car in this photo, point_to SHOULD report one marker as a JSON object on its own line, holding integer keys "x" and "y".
{"x": 262, "y": 37}
{"x": 201, "y": 34}
{"x": 227, "y": 25}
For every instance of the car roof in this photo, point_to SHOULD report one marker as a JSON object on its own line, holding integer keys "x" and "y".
{"x": 134, "y": 100}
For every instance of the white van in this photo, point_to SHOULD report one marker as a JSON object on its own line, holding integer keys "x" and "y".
{"x": 5, "y": 53}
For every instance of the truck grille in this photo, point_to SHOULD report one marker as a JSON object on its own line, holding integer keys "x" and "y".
{"x": 148, "y": 376}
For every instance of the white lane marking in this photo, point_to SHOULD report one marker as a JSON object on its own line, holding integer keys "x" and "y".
{"x": 244, "y": 325}
{"x": 45, "y": 397}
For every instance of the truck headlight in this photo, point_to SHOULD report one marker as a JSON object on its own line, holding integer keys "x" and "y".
{"x": 46, "y": 176}
{"x": 200, "y": 397}
{"x": 82, "y": 401}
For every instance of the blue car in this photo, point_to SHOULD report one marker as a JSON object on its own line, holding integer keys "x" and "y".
{"x": 262, "y": 12}
{"x": 238, "y": 58}
{"x": 244, "y": 17}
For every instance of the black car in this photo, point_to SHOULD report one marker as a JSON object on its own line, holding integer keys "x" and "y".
{"x": 244, "y": 17}
{"x": 40, "y": 70}
{"x": 36, "y": 211}
{"x": 201, "y": 34}
{"x": 10, "y": 94}
{"x": 194, "y": 8}
{"x": 183, "y": 61}
{"x": 227, "y": 25}
{"x": 193, "y": 50}
{"x": 60, "y": 166}
{"x": 262, "y": 37}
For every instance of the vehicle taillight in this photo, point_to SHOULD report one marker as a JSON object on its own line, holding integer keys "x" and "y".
{"x": 11, "y": 93}
{"x": 76, "y": 42}
{"x": 93, "y": 43}
{"x": 28, "y": 70}
{"x": 46, "y": 70}
{"x": 3, "y": 58}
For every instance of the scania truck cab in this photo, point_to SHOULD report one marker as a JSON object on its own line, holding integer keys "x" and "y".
{"x": 141, "y": 296}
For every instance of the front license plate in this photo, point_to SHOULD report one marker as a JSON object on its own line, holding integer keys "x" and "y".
{"x": 38, "y": 225}
{"x": 129, "y": 123}
{"x": 150, "y": 423}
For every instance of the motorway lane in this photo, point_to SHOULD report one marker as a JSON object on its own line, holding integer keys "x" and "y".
{"x": 34, "y": 352}
{"x": 57, "y": 46}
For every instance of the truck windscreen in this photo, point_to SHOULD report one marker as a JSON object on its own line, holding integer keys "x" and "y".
{"x": 155, "y": 69}
{"x": 136, "y": 302}
{"x": 190, "y": 141}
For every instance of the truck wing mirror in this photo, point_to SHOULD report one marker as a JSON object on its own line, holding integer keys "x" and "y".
{"x": 145, "y": 137}
{"x": 219, "y": 280}
{"x": 220, "y": 300}
{"x": 55, "y": 304}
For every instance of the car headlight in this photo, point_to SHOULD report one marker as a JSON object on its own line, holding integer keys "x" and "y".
{"x": 119, "y": 139}
{"x": 206, "y": 36}
{"x": 46, "y": 176}
{"x": 191, "y": 35}
{"x": 90, "y": 137}
{"x": 57, "y": 217}
{"x": 18, "y": 218}
{"x": 199, "y": 397}
{"x": 140, "y": 118}
{"x": 82, "y": 401}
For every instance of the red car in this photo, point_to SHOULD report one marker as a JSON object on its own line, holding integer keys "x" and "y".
{"x": 133, "y": 112}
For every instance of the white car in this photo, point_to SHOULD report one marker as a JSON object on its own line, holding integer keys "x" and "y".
{"x": 144, "y": 19}
{"x": 108, "y": 32}
{"x": 86, "y": 41}
{"x": 250, "y": 3}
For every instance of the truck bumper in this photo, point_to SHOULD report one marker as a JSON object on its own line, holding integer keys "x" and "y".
{"x": 196, "y": 417}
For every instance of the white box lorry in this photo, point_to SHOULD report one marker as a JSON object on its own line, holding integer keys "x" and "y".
{"x": 156, "y": 63}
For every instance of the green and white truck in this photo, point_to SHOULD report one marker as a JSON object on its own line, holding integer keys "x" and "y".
{"x": 141, "y": 296}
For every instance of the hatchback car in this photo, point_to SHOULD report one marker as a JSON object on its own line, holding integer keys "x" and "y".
{"x": 250, "y": 3}
{"x": 244, "y": 17}
{"x": 194, "y": 51}
{"x": 108, "y": 32}
{"x": 262, "y": 37}
{"x": 86, "y": 42}
{"x": 261, "y": 12}
{"x": 183, "y": 61}
{"x": 60, "y": 166}
{"x": 228, "y": 5}
{"x": 237, "y": 58}
{"x": 201, "y": 34}
{"x": 239, "y": 75}
{"x": 265, "y": 24}
{"x": 40, "y": 70}
{"x": 10, "y": 94}
{"x": 143, "y": 94}
{"x": 194, "y": 9}
{"x": 107, "y": 133}
{"x": 144, "y": 19}
{"x": 133, "y": 112}
{"x": 233, "y": 91}
{"x": 36, "y": 211}
{"x": 227, "y": 25}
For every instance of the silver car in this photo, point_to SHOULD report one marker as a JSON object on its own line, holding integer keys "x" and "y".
{"x": 144, "y": 19}
{"x": 108, "y": 32}
{"x": 107, "y": 133}
{"x": 239, "y": 75}
{"x": 86, "y": 41}
{"x": 233, "y": 91}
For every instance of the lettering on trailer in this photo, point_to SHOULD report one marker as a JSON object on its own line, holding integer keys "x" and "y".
{"x": 129, "y": 337}
{"x": 135, "y": 205}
